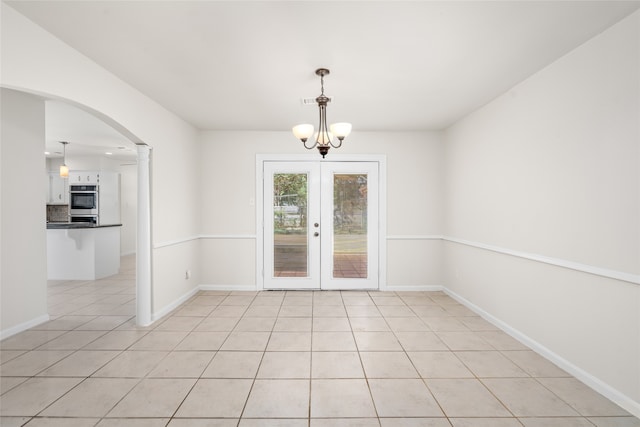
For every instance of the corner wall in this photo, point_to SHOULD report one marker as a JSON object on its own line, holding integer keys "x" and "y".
{"x": 23, "y": 271}
{"x": 414, "y": 202}
{"x": 550, "y": 171}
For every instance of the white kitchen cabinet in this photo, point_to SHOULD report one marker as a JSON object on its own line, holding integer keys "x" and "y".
{"x": 109, "y": 202}
{"x": 58, "y": 190}
{"x": 84, "y": 177}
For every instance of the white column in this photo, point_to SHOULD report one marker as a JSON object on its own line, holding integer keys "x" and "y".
{"x": 143, "y": 239}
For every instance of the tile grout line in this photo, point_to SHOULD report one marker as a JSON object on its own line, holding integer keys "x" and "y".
{"x": 364, "y": 372}
{"x": 255, "y": 377}
{"x": 350, "y": 319}
{"x": 172, "y": 416}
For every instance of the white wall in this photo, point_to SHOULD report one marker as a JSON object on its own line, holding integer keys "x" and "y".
{"x": 553, "y": 168}
{"x": 35, "y": 61}
{"x": 23, "y": 285}
{"x": 414, "y": 201}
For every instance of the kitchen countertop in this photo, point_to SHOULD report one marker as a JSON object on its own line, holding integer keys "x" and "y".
{"x": 75, "y": 225}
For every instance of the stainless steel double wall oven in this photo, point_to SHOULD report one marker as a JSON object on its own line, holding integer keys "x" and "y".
{"x": 83, "y": 203}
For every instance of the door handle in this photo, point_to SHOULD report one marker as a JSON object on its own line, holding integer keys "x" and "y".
{"x": 316, "y": 234}
{"x": 316, "y": 225}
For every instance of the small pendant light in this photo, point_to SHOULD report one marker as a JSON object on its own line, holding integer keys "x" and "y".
{"x": 64, "y": 169}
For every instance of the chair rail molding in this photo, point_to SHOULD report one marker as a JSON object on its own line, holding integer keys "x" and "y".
{"x": 559, "y": 262}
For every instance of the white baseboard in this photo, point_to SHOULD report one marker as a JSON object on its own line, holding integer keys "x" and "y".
{"x": 6, "y": 333}
{"x": 181, "y": 300}
{"x": 172, "y": 306}
{"x": 250, "y": 288}
{"x": 596, "y": 384}
{"x": 408, "y": 288}
{"x": 393, "y": 288}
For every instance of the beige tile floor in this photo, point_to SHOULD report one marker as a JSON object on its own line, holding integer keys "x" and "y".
{"x": 282, "y": 359}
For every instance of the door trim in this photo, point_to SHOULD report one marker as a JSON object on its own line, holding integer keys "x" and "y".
{"x": 381, "y": 159}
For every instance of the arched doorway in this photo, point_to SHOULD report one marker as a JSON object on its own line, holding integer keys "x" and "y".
{"x": 141, "y": 220}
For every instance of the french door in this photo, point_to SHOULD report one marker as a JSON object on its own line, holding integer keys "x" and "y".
{"x": 320, "y": 225}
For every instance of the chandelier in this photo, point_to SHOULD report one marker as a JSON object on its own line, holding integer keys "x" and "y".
{"x": 324, "y": 138}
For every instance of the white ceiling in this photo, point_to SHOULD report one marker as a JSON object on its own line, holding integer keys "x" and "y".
{"x": 395, "y": 65}
{"x": 86, "y": 134}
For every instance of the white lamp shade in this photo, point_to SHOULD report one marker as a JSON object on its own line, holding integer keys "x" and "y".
{"x": 64, "y": 171}
{"x": 341, "y": 130}
{"x": 303, "y": 131}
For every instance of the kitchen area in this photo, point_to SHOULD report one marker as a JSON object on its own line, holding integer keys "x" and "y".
{"x": 90, "y": 196}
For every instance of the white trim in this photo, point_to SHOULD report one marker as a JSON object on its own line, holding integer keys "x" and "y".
{"x": 227, "y": 236}
{"x": 415, "y": 237}
{"x": 175, "y": 304}
{"x": 419, "y": 288}
{"x": 184, "y": 298}
{"x": 382, "y": 223}
{"x": 250, "y": 288}
{"x": 175, "y": 242}
{"x": 260, "y": 159}
{"x": 24, "y": 326}
{"x": 315, "y": 158}
{"x": 598, "y": 271}
{"x": 381, "y": 159}
{"x": 204, "y": 237}
{"x": 596, "y": 384}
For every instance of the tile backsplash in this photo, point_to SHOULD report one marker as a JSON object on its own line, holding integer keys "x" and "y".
{"x": 57, "y": 213}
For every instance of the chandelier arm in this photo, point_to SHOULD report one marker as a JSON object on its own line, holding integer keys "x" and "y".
{"x": 320, "y": 128}
{"x": 304, "y": 142}
{"x": 339, "y": 143}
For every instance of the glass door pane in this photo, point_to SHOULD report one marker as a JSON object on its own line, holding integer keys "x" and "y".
{"x": 320, "y": 223}
{"x": 291, "y": 208}
{"x": 350, "y": 226}
{"x": 290, "y": 249}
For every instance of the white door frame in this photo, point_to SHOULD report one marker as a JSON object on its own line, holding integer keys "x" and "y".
{"x": 381, "y": 159}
